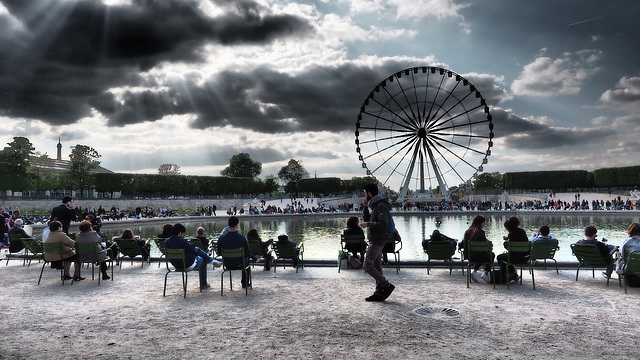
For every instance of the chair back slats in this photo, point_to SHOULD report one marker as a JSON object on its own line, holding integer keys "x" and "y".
{"x": 544, "y": 249}
{"x": 440, "y": 250}
{"x": 588, "y": 255}
{"x": 284, "y": 249}
{"x": 633, "y": 263}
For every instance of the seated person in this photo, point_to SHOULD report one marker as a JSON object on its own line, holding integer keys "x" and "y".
{"x": 232, "y": 239}
{"x": 436, "y": 236}
{"x": 194, "y": 256}
{"x": 606, "y": 250}
{"x": 475, "y": 233}
{"x": 353, "y": 228}
{"x": 203, "y": 239}
{"x": 4, "y": 237}
{"x": 167, "y": 230}
{"x": 144, "y": 246}
{"x": 88, "y": 236}
{"x": 516, "y": 234}
{"x": 632, "y": 243}
{"x": 252, "y": 235}
{"x": 284, "y": 238}
{"x": 17, "y": 245}
{"x": 542, "y": 234}
{"x": 57, "y": 234}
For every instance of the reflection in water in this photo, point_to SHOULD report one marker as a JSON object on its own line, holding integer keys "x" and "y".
{"x": 321, "y": 234}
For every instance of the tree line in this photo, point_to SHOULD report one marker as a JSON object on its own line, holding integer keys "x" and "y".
{"x": 24, "y": 169}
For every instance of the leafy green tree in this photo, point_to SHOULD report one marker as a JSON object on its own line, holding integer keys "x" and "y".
{"x": 169, "y": 169}
{"x": 270, "y": 185}
{"x": 15, "y": 160}
{"x": 84, "y": 160}
{"x": 488, "y": 181}
{"x": 292, "y": 172}
{"x": 241, "y": 165}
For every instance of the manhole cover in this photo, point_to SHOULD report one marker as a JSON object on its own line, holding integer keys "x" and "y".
{"x": 425, "y": 311}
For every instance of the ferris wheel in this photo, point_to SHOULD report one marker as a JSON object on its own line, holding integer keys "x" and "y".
{"x": 424, "y": 126}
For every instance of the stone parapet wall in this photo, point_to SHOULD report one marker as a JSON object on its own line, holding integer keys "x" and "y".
{"x": 37, "y": 206}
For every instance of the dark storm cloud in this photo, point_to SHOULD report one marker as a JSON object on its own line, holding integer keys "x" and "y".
{"x": 260, "y": 99}
{"x": 65, "y": 55}
{"x": 519, "y": 133}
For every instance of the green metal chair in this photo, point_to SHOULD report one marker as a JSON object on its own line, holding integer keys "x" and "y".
{"x": 88, "y": 253}
{"x": 357, "y": 241}
{"x": 16, "y": 238}
{"x": 34, "y": 246}
{"x": 230, "y": 260}
{"x": 53, "y": 248}
{"x": 440, "y": 250}
{"x": 287, "y": 251}
{"x": 589, "y": 255}
{"x": 160, "y": 245}
{"x": 393, "y": 246}
{"x": 632, "y": 267}
{"x": 256, "y": 248}
{"x": 480, "y": 247}
{"x": 519, "y": 247}
{"x": 128, "y": 248}
{"x": 544, "y": 249}
{"x": 176, "y": 254}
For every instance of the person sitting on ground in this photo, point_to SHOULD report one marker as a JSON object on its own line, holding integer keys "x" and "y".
{"x": 194, "y": 257}
{"x": 606, "y": 250}
{"x": 253, "y": 235}
{"x": 145, "y": 247}
{"x": 203, "y": 239}
{"x": 474, "y": 233}
{"x": 17, "y": 245}
{"x": 167, "y": 230}
{"x": 516, "y": 234}
{"x": 88, "y": 236}
{"x": 353, "y": 229}
{"x": 232, "y": 239}
{"x": 542, "y": 234}
{"x": 283, "y": 238}
{"x": 57, "y": 235}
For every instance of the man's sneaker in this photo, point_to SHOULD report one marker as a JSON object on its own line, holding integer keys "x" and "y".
{"x": 106, "y": 277}
{"x": 374, "y": 297}
{"x": 474, "y": 276}
{"x": 605, "y": 275}
{"x": 205, "y": 286}
{"x": 216, "y": 263}
{"x": 486, "y": 277}
{"x": 386, "y": 291}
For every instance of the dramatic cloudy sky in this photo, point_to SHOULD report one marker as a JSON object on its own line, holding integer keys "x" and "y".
{"x": 193, "y": 82}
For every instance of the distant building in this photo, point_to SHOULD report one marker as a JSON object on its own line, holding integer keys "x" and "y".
{"x": 58, "y": 164}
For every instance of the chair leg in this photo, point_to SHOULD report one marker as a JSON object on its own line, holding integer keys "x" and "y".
{"x": 45, "y": 264}
{"x": 164, "y": 292}
{"x": 222, "y": 283}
